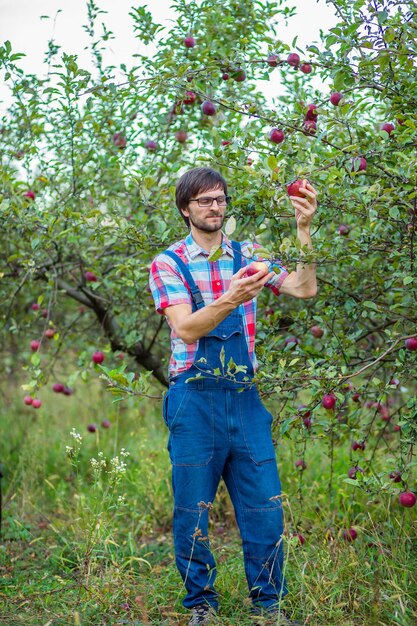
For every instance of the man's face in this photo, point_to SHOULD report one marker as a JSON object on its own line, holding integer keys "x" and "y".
{"x": 208, "y": 219}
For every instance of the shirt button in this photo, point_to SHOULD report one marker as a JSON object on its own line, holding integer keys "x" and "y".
{"x": 224, "y": 335}
{"x": 218, "y": 283}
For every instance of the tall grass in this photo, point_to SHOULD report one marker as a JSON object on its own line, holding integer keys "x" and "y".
{"x": 87, "y": 525}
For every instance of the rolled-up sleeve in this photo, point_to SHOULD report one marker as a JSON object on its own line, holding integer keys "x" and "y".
{"x": 166, "y": 284}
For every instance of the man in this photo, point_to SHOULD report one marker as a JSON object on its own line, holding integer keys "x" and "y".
{"x": 217, "y": 422}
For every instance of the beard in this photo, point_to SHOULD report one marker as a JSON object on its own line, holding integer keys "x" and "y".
{"x": 205, "y": 225}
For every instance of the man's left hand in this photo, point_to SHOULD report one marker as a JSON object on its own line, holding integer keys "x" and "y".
{"x": 305, "y": 207}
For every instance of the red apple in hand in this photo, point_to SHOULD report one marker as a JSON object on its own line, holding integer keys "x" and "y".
{"x": 256, "y": 267}
{"x": 294, "y": 189}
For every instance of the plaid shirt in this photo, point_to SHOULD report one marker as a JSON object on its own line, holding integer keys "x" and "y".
{"x": 168, "y": 287}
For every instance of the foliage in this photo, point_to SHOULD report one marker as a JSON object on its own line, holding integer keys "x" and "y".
{"x": 87, "y": 547}
{"x": 103, "y": 203}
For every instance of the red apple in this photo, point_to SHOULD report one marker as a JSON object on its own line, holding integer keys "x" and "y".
{"x": 208, "y": 108}
{"x": 225, "y": 76}
{"x": 395, "y": 476}
{"x": 239, "y": 75}
{"x": 311, "y": 113}
{"x": 354, "y": 470}
{"x": 304, "y": 410}
{"x": 388, "y": 127}
{"x": 98, "y": 357}
{"x": 35, "y": 306}
{"x": 358, "y": 445}
{"x": 28, "y": 400}
{"x": 273, "y": 60}
{"x": 356, "y": 397}
{"x": 276, "y": 136}
{"x": 29, "y": 194}
{"x": 45, "y": 313}
{"x": 301, "y": 464}
{"x": 294, "y": 189}
{"x": 329, "y": 401}
{"x": 362, "y": 164}
{"x": 407, "y": 499}
{"x": 397, "y": 428}
{"x": 92, "y": 428}
{"x": 292, "y": 340}
{"x": 307, "y": 422}
{"x": 255, "y": 267}
{"x": 58, "y": 387}
{"x": 306, "y": 68}
{"x": 293, "y": 59}
{"x": 350, "y": 534}
{"x": 189, "y": 42}
{"x": 317, "y": 332}
{"x": 119, "y": 140}
{"x": 67, "y": 391}
{"x": 151, "y": 146}
{"x": 335, "y": 98}
{"x": 310, "y": 127}
{"x": 344, "y": 229}
{"x": 36, "y": 403}
{"x": 301, "y": 538}
{"x": 181, "y": 136}
{"x": 411, "y": 343}
{"x": 189, "y": 97}
{"x": 105, "y": 424}
{"x": 35, "y": 345}
{"x": 49, "y": 333}
{"x": 90, "y": 277}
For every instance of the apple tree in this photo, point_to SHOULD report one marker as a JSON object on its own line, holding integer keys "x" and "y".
{"x": 89, "y": 164}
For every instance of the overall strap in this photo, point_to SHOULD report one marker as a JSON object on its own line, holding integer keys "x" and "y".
{"x": 237, "y": 263}
{"x": 195, "y": 291}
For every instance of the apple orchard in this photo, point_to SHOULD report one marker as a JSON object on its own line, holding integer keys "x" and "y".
{"x": 89, "y": 164}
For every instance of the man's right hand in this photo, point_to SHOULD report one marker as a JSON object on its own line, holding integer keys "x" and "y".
{"x": 243, "y": 288}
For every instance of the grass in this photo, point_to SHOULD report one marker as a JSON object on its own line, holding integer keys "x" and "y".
{"x": 86, "y": 546}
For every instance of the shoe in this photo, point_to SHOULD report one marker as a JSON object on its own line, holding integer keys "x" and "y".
{"x": 201, "y": 614}
{"x": 275, "y": 618}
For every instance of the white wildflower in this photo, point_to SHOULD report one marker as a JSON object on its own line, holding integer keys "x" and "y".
{"x": 76, "y": 436}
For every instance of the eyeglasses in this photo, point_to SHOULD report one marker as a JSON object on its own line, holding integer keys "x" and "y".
{"x": 206, "y": 202}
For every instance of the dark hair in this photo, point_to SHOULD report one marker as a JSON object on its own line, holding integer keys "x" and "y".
{"x": 193, "y": 182}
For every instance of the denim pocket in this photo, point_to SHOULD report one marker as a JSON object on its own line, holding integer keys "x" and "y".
{"x": 191, "y": 425}
{"x": 256, "y": 423}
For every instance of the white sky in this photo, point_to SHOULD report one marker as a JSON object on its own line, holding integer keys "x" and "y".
{"x": 20, "y": 23}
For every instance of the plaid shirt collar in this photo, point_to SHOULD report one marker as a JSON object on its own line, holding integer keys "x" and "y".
{"x": 194, "y": 249}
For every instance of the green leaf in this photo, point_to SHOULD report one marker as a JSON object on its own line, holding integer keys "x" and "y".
{"x": 222, "y": 356}
{"x": 215, "y": 253}
{"x": 230, "y": 226}
{"x": 35, "y": 359}
{"x": 370, "y": 305}
{"x": 272, "y": 162}
{"x": 407, "y": 280}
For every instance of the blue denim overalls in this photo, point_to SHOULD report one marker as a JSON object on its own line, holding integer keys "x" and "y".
{"x": 220, "y": 428}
